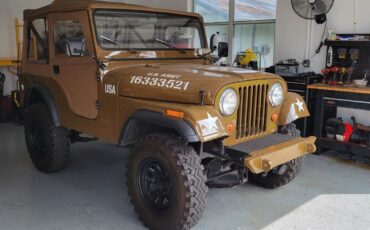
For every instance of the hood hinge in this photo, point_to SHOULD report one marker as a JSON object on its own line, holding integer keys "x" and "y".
{"x": 98, "y": 105}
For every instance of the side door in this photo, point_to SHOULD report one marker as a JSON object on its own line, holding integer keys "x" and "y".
{"x": 73, "y": 70}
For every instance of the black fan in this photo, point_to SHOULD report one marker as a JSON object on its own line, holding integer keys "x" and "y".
{"x": 313, "y": 9}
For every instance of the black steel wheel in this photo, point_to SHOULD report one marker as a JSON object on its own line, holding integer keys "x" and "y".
{"x": 283, "y": 174}
{"x": 47, "y": 144}
{"x": 155, "y": 185}
{"x": 166, "y": 182}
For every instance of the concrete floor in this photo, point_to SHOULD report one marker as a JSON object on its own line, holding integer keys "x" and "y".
{"x": 91, "y": 194}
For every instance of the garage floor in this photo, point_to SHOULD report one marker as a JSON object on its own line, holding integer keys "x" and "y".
{"x": 91, "y": 194}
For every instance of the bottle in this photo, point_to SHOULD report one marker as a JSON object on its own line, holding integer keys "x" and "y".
{"x": 332, "y": 36}
{"x": 329, "y": 58}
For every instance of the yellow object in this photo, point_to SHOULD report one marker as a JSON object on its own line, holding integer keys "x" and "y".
{"x": 9, "y": 61}
{"x": 266, "y": 159}
{"x": 248, "y": 57}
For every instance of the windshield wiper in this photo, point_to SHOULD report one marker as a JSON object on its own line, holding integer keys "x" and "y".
{"x": 117, "y": 43}
{"x": 110, "y": 40}
{"x": 170, "y": 45}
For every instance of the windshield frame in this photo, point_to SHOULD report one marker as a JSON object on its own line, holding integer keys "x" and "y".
{"x": 201, "y": 31}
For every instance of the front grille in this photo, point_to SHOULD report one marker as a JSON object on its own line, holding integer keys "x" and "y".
{"x": 252, "y": 112}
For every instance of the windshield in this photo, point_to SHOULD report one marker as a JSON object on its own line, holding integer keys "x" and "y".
{"x": 133, "y": 30}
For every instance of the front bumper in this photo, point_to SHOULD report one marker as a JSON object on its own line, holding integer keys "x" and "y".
{"x": 266, "y": 153}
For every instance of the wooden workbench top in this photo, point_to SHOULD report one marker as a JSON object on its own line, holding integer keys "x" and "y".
{"x": 8, "y": 62}
{"x": 338, "y": 88}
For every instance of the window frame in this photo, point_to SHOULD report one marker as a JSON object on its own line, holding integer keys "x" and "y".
{"x": 29, "y": 31}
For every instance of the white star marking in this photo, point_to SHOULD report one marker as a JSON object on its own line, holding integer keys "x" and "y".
{"x": 209, "y": 125}
{"x": 300, "y": 105}
{"x": 211, "y": 122}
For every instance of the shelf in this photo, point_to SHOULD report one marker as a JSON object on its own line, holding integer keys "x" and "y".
{"x": 344, "y": 146}
{"x": 339, "y": 88}
{"x": 347, "y": 43}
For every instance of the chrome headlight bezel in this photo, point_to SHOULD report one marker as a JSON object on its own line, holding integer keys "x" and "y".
{"x": 229, "y": 102}
{"x": 276, "y": 94}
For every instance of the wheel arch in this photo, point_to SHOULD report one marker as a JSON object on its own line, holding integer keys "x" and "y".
{"x": 38, "y": 93}
{"x": 146, "y": 122}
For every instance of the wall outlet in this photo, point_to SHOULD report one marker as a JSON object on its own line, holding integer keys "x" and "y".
{"x": 307, "y": 63}
{"x": 265, "y": 49}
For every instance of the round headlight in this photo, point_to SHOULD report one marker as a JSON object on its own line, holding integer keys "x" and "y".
{"x": 276, "y": 94}
{"x": 228, "y": 102}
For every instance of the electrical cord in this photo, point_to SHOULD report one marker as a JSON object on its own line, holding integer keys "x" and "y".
{"x": 318, "y": 50}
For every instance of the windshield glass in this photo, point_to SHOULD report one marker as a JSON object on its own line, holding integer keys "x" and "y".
{"x": 132, "y": 30}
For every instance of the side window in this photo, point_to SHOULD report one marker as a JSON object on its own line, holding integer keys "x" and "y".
{"x": 38, "y": 41}
{"x": 69, "y": 38}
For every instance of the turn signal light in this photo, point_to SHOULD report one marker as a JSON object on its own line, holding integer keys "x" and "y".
{"x": 175, "y": 114}
{"x": 275, "y": 117}
{"x": 230, "y": 127}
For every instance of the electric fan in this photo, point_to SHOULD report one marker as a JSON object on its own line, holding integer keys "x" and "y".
{"x": 313, "y": 9}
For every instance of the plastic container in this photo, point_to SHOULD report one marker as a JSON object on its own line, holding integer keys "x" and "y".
{"x": 360, "y": 83}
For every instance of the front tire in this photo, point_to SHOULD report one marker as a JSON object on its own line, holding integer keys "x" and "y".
{"x": 166, "y": 183}
{"x": 283, "y": 174}
{"x": 48, "y": 145}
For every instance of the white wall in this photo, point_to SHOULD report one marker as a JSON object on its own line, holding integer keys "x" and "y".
{"x": 291, "y": 30}
{"x": 10, "y": 9}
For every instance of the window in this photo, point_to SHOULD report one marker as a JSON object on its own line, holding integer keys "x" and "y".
{"x": 213, "y": 11}
{"x": 253, "y": 10}
{"x": 259, "y": 37}
{"x": 69, "y": 38}
{"x": 142, "y": 30}
{"x": 213, "y": 29}
{"x": 37, "y": 41}
{"x": 254, "y": 25}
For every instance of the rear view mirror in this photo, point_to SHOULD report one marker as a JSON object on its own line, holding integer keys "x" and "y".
{"x": 223, "y": 49}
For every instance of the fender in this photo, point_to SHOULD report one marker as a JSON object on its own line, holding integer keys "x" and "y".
{"x": 293, "y": 108}
{"x": 154, "y": 121}
{"x": 39, "y": 93}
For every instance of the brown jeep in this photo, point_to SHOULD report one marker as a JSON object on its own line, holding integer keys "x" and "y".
{"x": 143, "y": 78}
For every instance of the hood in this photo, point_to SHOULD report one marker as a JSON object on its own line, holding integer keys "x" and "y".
{"x": 179, "y": 83}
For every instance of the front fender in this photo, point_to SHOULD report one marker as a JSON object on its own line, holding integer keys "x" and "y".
{"x": 293, "y": 108}
{"x": 39, "y": 93}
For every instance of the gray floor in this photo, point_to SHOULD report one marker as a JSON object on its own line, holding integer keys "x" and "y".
{"x": 91, "y": 194}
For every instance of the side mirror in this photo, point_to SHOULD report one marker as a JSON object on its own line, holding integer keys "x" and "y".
{"x": 223, "y": 49}
{"x": 212, "y": 42}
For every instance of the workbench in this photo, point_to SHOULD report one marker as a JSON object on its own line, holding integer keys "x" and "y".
{"x": 8, "y": 62}
{"x": 328, "y": 99}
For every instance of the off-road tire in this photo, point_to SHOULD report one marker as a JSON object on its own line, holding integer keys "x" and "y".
{"x": 48, "y": 145}
{"x": 273, "y": 180}
{"x": 188, "y": 182}
{"x": 290, "y": 129}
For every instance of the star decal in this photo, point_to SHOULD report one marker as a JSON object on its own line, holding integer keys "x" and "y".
{"x": 211, "y": 122}
{"x": 209, "y": 125}
{"x": 300, "y": 105}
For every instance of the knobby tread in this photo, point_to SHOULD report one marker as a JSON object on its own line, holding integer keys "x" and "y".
{"x": 192, "y": 172}
{"x": 55, "y": 149}
{"x": 273, "y": 180}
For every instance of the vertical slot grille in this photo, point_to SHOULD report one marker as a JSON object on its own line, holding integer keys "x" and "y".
{"x": 252, "y": 111}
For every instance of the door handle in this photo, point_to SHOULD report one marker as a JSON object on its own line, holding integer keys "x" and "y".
{"x": 56, "y": 69}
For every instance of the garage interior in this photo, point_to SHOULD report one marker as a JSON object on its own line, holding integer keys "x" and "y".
{"x": 321, "y": 52}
